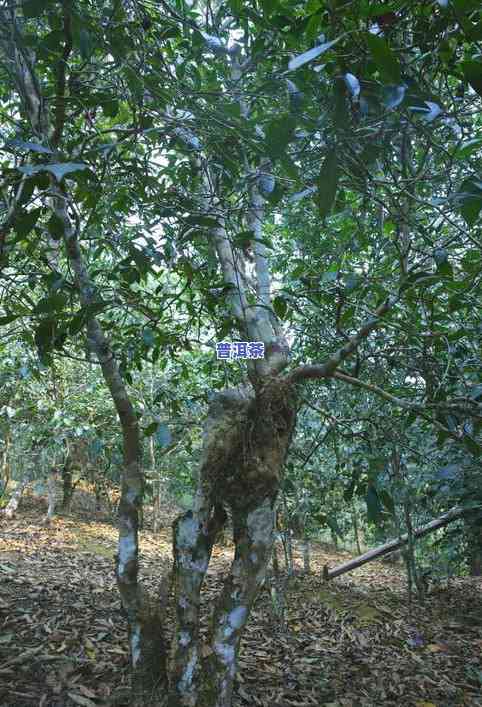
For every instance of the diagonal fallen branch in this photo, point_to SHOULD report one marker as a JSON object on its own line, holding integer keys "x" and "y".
{"x": 385, "y": 549}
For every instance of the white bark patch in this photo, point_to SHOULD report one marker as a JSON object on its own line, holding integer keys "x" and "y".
{"x": 237, "y": 616}
{"x": 199, "y": 565}
{"x": 127, "y": 550}
{"x": 190, "y": 564}
{"x": 228, "y": 632}
{"x": 184, "y": 638}
{"x": 136, "y": 645}
{"x": 187, "y": 532}
{"x": 225, "y": 652}
{"x": 261, "y": 577}
{"x": 188, "y": 674}
{"x": 183, "y": 603}
{"x": 260, "y": 524}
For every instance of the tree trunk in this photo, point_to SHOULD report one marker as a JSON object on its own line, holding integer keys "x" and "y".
{"x": 147, "y": 652}
{"x": 253, "y": 537}
{"x": 306, "y": 550}
{"x": 474, "y": 539}
{"x": 156, "y": 487}
{"x": 12, "y": 506}
{"x": 5, "y": 463}
{"x": 356, "y": 533}
{"x": 275, "y": 560}
{"x": 448, "y": 517}
{"x": 51, "y": 494}
{"x": 286, "y": 539}
{"x": 67, "y": 485}
{"x": 246, "y": 438}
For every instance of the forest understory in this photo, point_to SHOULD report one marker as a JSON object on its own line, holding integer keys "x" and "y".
{"x": 352, "y": 641}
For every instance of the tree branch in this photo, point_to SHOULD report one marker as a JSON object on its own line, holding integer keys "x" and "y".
{"x": 327, "y": 370}
{"x": 60, "y": 97}
{"x": 399, "y": 402}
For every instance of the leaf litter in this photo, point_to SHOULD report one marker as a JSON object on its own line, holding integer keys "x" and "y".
{"x": 349, "y": 642}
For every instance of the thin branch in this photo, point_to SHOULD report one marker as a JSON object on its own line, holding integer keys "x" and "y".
{"x": 327, "y": 369}
{"x": 399, "y": 402}
{"x": 60, "y": 97}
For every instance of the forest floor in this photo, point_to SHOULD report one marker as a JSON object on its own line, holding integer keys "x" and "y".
{"x": 347, "y": 643}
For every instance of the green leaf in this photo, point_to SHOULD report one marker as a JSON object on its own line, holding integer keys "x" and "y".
{"x": 148, "y": 338}
{"x": 384, "y": 58}
{"x": 327, "y": 183}
{"x": 280, "y": 306}
{"x": 150, "y": 429}
{"x": 469, "y": 198}
{"x": 468, "y": 148}
{"x": 77, "y": 322}
{"x": 110, "y": 107}
{"x": 30, "y": 146}
{"x": 206, "y": 221}
{"x": 352, "y": 281}
{"x": 45, "y": 334}
{"x": 392, "y": 96}
{"x": 85, "y": 44}
{"x": 34, "y": 8}
{"x": 311, "y": 54}
{"x": 269, "y": 7}
{"x": 279, "y": 133}
{"x": 476, "y": 392}
{"x": 8, "y": 319}
{"x": 26, "y": 221}
{"x": 473, "y": 446}
{"x": 473, "y": 74}
{"x": 59, "y": 170}
{"x": 51, "y": 304}
{"x": 186, "y": 501}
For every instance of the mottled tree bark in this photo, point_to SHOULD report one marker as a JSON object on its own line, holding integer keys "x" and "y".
{"x": 143, "y": 616}
{"x": 51, "y": 494}
{"x": 253, "y": 537}
{"x": 5, "y": 463}
{"x": 306, "y": 550}
{"x": 67, "y": 485}
{"x": 14, "y": 501}
{"x": 356, "y": 533}
{"x": 246, "y": 439}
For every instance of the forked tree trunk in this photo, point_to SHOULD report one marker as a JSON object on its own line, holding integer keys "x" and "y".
{"x": 246, "y": 440}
